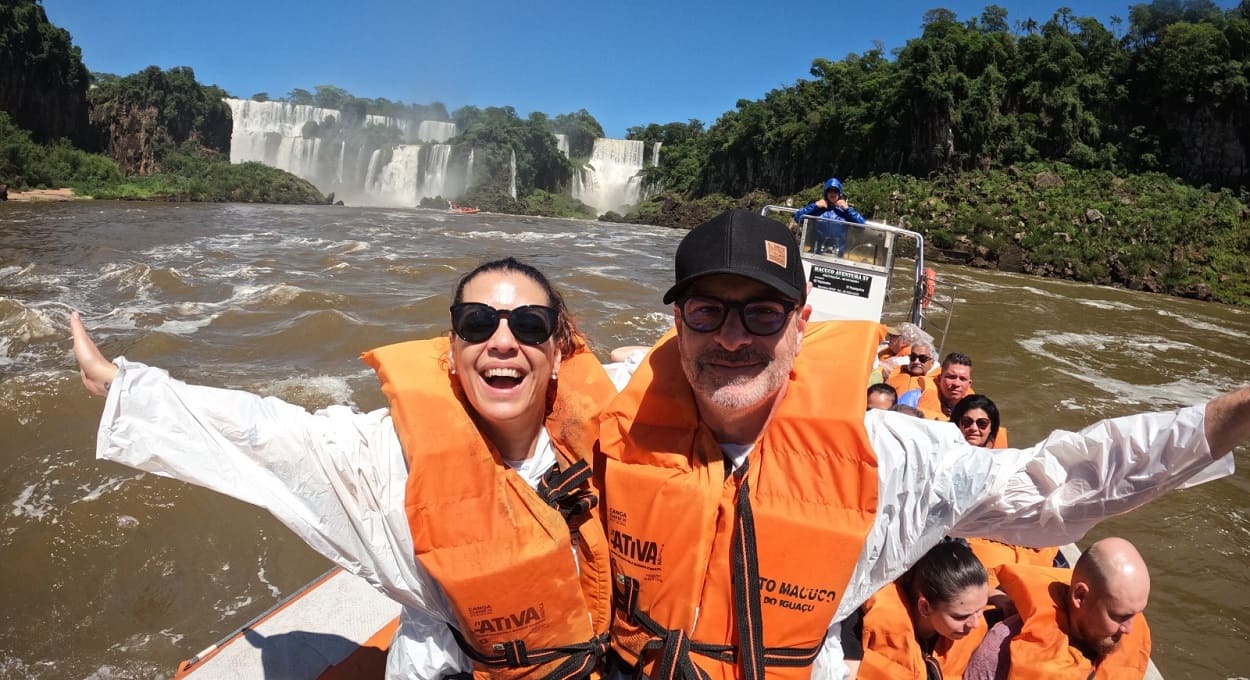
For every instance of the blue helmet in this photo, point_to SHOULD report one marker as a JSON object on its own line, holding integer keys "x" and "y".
{"x": 833, "y": 183}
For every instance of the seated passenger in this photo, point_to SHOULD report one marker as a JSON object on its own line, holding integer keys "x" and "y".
{"x": 926, "y": 624}
{"x": 976, "y": 415}
{"x": 895, "y": 353}
{"x": 882, "y": 396}
{"x": 954, "y": 382}
{"x": 919, "y": 373}
{"x": 1083, "y": 623}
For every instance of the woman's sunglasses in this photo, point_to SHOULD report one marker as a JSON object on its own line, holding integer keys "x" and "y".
{"x": 981, "y": 423}
{"x": 922, "y": 358}
{"x": 530, "y": 324}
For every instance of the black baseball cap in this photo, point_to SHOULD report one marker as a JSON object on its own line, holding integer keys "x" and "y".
{"x": 744, "y": 243}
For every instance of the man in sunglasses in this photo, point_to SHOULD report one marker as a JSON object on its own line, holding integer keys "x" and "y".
{"x": 751, "y": 502}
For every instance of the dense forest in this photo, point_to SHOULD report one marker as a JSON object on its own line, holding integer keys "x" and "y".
{"x": 1165, "y": 90}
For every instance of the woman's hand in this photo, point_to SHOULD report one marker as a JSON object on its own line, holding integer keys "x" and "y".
{"x": 97, "y": 372}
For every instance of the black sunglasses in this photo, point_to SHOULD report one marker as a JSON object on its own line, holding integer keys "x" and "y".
{"x": 530, "y": 324}
{"x": 922, "y": 358}
{"x": 981, "y": 423}
{"x": 704, "y": 314}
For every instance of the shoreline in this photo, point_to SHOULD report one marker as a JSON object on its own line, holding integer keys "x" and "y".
{"x": 45, "y": 195}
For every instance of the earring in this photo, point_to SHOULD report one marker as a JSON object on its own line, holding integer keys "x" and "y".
{"x": 553, "y": 375}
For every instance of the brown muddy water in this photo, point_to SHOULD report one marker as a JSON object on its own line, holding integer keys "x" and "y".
{"x": 109, "y": 573}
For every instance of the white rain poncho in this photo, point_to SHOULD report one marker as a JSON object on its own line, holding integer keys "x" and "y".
{"x": 336, "y": 478}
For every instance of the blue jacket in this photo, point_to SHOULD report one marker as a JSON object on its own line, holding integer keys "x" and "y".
{"x": 815, "y": 208}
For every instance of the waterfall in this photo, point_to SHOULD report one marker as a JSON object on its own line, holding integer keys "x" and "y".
{"x": 437, "y": 181}
{"x": 436, "y": 131}
{"x": 371, "y": 175}
{"x": 345, "y": 156}
{"x": 468, "y": 171}
{"x": 609, "y": 181}
{"x": 512, "y": 180}
{"x": 562, "y": 143}
{"x": 655, "y": 154}
{"x": 397, "y": 180}
{"x": 338, "y": 176}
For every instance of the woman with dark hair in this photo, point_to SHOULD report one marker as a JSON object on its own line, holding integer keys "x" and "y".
{"x": 927, "y": 624}
{"x": 476, "y": 478}
{"x": 976, "y": 416}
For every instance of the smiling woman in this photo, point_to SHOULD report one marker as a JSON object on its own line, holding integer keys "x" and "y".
{"x": 476, "y": 479}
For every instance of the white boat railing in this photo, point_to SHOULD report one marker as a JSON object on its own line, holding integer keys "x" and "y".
{"x": 856, "y": 270}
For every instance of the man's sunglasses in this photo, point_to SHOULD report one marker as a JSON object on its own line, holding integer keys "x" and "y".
{"x": 981, "y": 423}
{"x": 530, "y": 324}
{"x": 704, "y": 314}
{"x": 922, "y": 358}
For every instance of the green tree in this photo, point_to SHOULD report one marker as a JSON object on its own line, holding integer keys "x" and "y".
{"x": 582, "y": 130}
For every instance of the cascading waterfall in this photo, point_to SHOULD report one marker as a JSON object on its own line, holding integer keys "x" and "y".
{"x": 512, "y": 176}
{"x": 437, "y": 179}
{"x": 655, "y": 153}
{"x": 610, "y": 181}
{"x": 436, "y": 131}
{"x": 318, "y": 145}
{"x": 562, "y": 143}
{"x": 397, "y": 181}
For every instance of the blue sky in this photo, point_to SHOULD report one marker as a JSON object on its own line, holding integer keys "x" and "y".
{"x": 628, "y": 63}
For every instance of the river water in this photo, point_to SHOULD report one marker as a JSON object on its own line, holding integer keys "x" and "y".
{"x": 108, "y": 573}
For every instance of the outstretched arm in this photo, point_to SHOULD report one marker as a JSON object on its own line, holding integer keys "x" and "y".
{"x": 96, "y": 371}
{"x": 1228, "y": 422}
{"x": 336, "y": 477}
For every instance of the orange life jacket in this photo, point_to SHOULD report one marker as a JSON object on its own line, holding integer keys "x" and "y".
{"x": 904, "y": 382}
{"x": 502, "y": 551}
{"x": 891, "y": 651}
{"x": 736, "y": 572}
{"x": 994, "y": 554}
{"x": 931, "y": 404}
{"x": 1041, "y": 650}
{"x": 1000, "y": 439}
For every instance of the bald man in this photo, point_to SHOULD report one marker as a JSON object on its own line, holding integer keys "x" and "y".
{"x": 1086, "y": 623}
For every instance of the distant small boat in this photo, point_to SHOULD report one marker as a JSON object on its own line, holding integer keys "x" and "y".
{"x": 464, "y": 209}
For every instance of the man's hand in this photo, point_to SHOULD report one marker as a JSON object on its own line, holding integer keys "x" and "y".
{"x": 96, "y": 371}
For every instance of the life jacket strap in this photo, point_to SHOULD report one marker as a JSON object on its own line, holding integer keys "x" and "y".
{"x": 579, "y": 660}
{"x": 675, "y": 646}
{"x": 566, "y": 491}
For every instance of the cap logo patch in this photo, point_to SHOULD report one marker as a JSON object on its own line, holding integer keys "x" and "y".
{"x": 775, "y": 253}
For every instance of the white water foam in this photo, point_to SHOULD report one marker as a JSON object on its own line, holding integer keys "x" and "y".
{"x": 1182, "y": 391}
{"x": 260, "y": 576}
{"x": 1109, "y": 305}
{"x": 1200, "y": 325}
{"x": 319, "y": 390}
{"x": 33, "y": 503}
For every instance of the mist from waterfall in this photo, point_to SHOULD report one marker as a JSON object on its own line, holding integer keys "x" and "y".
{"x": 379, "y": 160}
